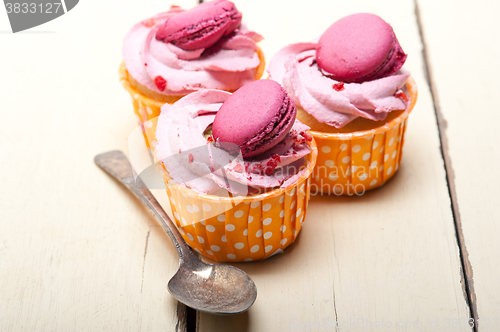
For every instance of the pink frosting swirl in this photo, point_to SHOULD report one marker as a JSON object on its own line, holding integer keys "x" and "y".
{"x": 170, "y": 70}
{"x": 194, "y": 162}
{"x": 332, "y": 102}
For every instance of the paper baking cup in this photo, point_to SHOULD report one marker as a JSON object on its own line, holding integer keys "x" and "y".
{"x": 148, "y": 109}
{"x": 352, "y": 163}
{"x": 241, "y": 229}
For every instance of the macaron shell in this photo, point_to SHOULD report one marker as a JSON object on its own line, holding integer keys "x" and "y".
{"x": 202, "y": 26}
{"x": 256, "y": 117}
{"x": 359, "y": 47}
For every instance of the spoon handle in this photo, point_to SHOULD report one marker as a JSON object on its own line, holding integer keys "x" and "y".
{"x": 117, "y": 165}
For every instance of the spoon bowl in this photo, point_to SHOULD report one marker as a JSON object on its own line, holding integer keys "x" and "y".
{"x": 211, "y": 288}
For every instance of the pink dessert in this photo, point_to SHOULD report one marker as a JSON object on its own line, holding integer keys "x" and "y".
{"x": 178, "y": 52}
{"x": 327, "y": 92}
{"x": 255, "y": 124}
{"x": 202, "y": 26}
{"x": 359, "y": 48}
{"x": 192, "y": 156}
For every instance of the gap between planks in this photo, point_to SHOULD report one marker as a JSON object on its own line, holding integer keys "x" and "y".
{"x": 466, "y": 267}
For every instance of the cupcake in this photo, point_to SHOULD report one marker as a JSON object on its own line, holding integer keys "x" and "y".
{"x": 237, "y": 169}
{"x": 178, "y": 52}
{"x": 350, "y": 88}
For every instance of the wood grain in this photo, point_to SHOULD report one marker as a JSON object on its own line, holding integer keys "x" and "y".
{"x": 388, "y": 260}
{"x": 463, "y": 50}
{"x": 77, "y": 252}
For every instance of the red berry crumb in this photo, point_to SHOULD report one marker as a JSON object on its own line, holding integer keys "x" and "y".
{"x": 338, "y": 86}
{"x": 210, "y": 139}
{"x": 160, "y": 83}
{"x": 190, "y": 158}
{"x": 149, "y": 22}
{"x": 270, "y": 167}
{"x": 249, "y": 178}
{"x": 401, "y": 95}
{"x": 238, "y": 168}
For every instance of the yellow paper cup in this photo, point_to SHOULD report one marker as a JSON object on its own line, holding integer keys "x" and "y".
{"x": 147, "y": 109}
{"x": 241, "y": 229}
{"x": 352, "y": 163}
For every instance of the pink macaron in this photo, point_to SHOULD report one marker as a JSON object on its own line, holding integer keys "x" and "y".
{"x": 256, "y": 117}
{"x": 358, "y": 48}
{"x": 202, "y": 26}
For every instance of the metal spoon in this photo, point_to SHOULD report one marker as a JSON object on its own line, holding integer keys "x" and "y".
{"x": 212, "y": 288}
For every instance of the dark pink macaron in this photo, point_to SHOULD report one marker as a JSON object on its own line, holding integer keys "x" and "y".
{"x": 358, "y": 48}
{"x": 202, "y": 26}
{"x": 256, "y": 117}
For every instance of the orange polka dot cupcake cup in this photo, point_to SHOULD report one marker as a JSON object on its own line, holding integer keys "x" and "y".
{"x": 352, "y": 163}
{"x": 241, "y": 228}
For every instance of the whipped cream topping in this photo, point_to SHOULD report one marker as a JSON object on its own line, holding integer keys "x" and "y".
{"x": 195, "y": 162}
{"x": 332, "y": 102}
{"x": 170, "y": 70}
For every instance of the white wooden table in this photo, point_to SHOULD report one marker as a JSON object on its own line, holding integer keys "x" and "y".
{"x": 79, "y": 253}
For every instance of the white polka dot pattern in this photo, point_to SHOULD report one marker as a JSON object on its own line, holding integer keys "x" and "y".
{"x": 254, "y": 205}
{"x": 348, "y": 166}
{"x": 243, "y": 232}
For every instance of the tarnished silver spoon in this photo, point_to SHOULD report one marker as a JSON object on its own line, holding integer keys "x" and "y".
{"x": 212, "y": 288}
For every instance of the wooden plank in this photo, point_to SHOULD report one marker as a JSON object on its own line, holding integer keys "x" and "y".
{"x": 387, "y": 260}
{"x": 77, "y": 252}
{"x": 463, "y": 49}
